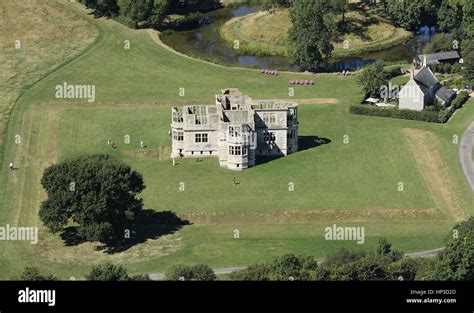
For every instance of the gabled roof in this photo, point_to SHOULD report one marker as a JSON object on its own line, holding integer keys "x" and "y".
{"x": 425, "y": 79}
{"x": 445, "y": 94}
{"x": 434, "y": 58}
{"x": 411, "y": 90}
{"x": 427, "y": 82}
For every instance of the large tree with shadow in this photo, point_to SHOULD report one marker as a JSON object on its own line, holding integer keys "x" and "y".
{"x": 96, "y": 194}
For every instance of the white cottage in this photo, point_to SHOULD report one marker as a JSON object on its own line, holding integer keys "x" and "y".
{"x": 422, "y": 90}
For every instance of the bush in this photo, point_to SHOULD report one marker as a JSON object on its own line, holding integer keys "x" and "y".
{"x": 425, "y": 116}
{"x": 460, "y": 99}
{"x": 167, "y": 32}
{"x": 126, "y": 21}
{"x": 107, "y": 272}
{"x": 393, "y": 71}
{"x": 189, "y": 22}
{"x": 34, "y": 274}
{"x": 441, "y": 68}
{"x": 200, "y": 272}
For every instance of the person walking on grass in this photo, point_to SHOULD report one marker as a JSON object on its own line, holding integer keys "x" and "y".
{"x": 11, "y": 166}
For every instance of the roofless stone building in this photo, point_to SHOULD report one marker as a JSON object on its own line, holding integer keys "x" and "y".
{"x": 236, "y": 129}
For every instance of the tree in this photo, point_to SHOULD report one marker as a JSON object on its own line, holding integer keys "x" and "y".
{"x": 138, "y": 11}
{"x": 107, "y": 8}
{"x": 383, "y": 247}
{"x": 271, "y": 5}
{"x": 456, "y": 261}
{"x": 411, "y": 14}
{"x": 372, "y": 268}
{"x": 372, "y": 78}
{"x": 341, "y": 7}
{"x": 179, "y": 272}
{"x": 203, "y": 272}
{"x": 160, "y": 10}
{"x": 34, "y": 274}
{"x": 98, "y": 193}
{"x": 405, "y": 269}
{"x": 449, "y": 17}
{"x": 457, "y": 18}
{"x": 255, "y": 272}
{"x": 283, "y": 268}
{"x": 311, "y": 34}
{"x": 469, "y": 60}
{"x": 343, "y": 255}
{"x": 200, "y": 272}
{"x": 108, "y": 272}
{"x": 438, "y": 43}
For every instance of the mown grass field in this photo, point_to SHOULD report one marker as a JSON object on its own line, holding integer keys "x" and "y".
{"x": 353, "y": 184}
{"x": 34, "y": 45}
{"x": 263, "y": 33}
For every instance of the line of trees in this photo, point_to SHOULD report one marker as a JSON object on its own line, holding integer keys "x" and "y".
{"x": 139, "y": 13}
{"x": 456, "y": 262}
{"x": 133, "y": 13}
{"x": 451, "y": 16}
{"x": 102, "y": 272}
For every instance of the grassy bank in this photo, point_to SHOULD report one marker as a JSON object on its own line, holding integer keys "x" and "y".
{"x": 263, "y": 33}
{"x": 44, "y": 37}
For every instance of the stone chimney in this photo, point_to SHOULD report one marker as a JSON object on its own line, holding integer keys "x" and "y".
{"x": 413, "y": 68}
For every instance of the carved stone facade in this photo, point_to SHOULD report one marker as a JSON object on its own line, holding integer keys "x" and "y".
{"x": 236, "y": 129}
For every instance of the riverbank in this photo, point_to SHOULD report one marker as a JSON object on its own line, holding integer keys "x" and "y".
{"x": 263, "y": 34}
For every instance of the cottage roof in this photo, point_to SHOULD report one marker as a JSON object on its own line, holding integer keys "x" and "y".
{"x": 445, "y": 94}
{"x": 435, "y": 58}
{"x": 425, "y": 79}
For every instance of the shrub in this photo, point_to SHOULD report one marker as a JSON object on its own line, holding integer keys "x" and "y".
{"x": 393, "y": 71}
{"x": 425, "y": 116}
{"x": 460, "y": 99}
{"x": 34, "y": 274}
{"x": 167, "y": 32}
{"x": 188, "y": 22}
{"x": 107, "y": 272}
{"x": 200, "y": 272}
{"x": 126, "y": 21}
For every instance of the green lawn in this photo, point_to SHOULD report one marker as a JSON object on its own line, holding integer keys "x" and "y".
{"x": 24, "y": 55}
{"x": 263, "y": 33}
{"x": 326, "y": 177}
{"x": 352, "y": 184}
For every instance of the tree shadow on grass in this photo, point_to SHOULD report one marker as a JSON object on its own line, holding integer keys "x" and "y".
{"x": 149, "y": 225}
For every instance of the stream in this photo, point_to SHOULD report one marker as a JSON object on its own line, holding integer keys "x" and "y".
{"x": 206, "y": 43}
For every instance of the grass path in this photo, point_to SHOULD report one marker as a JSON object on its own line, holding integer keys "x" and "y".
{"x": 424, "y": 149}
